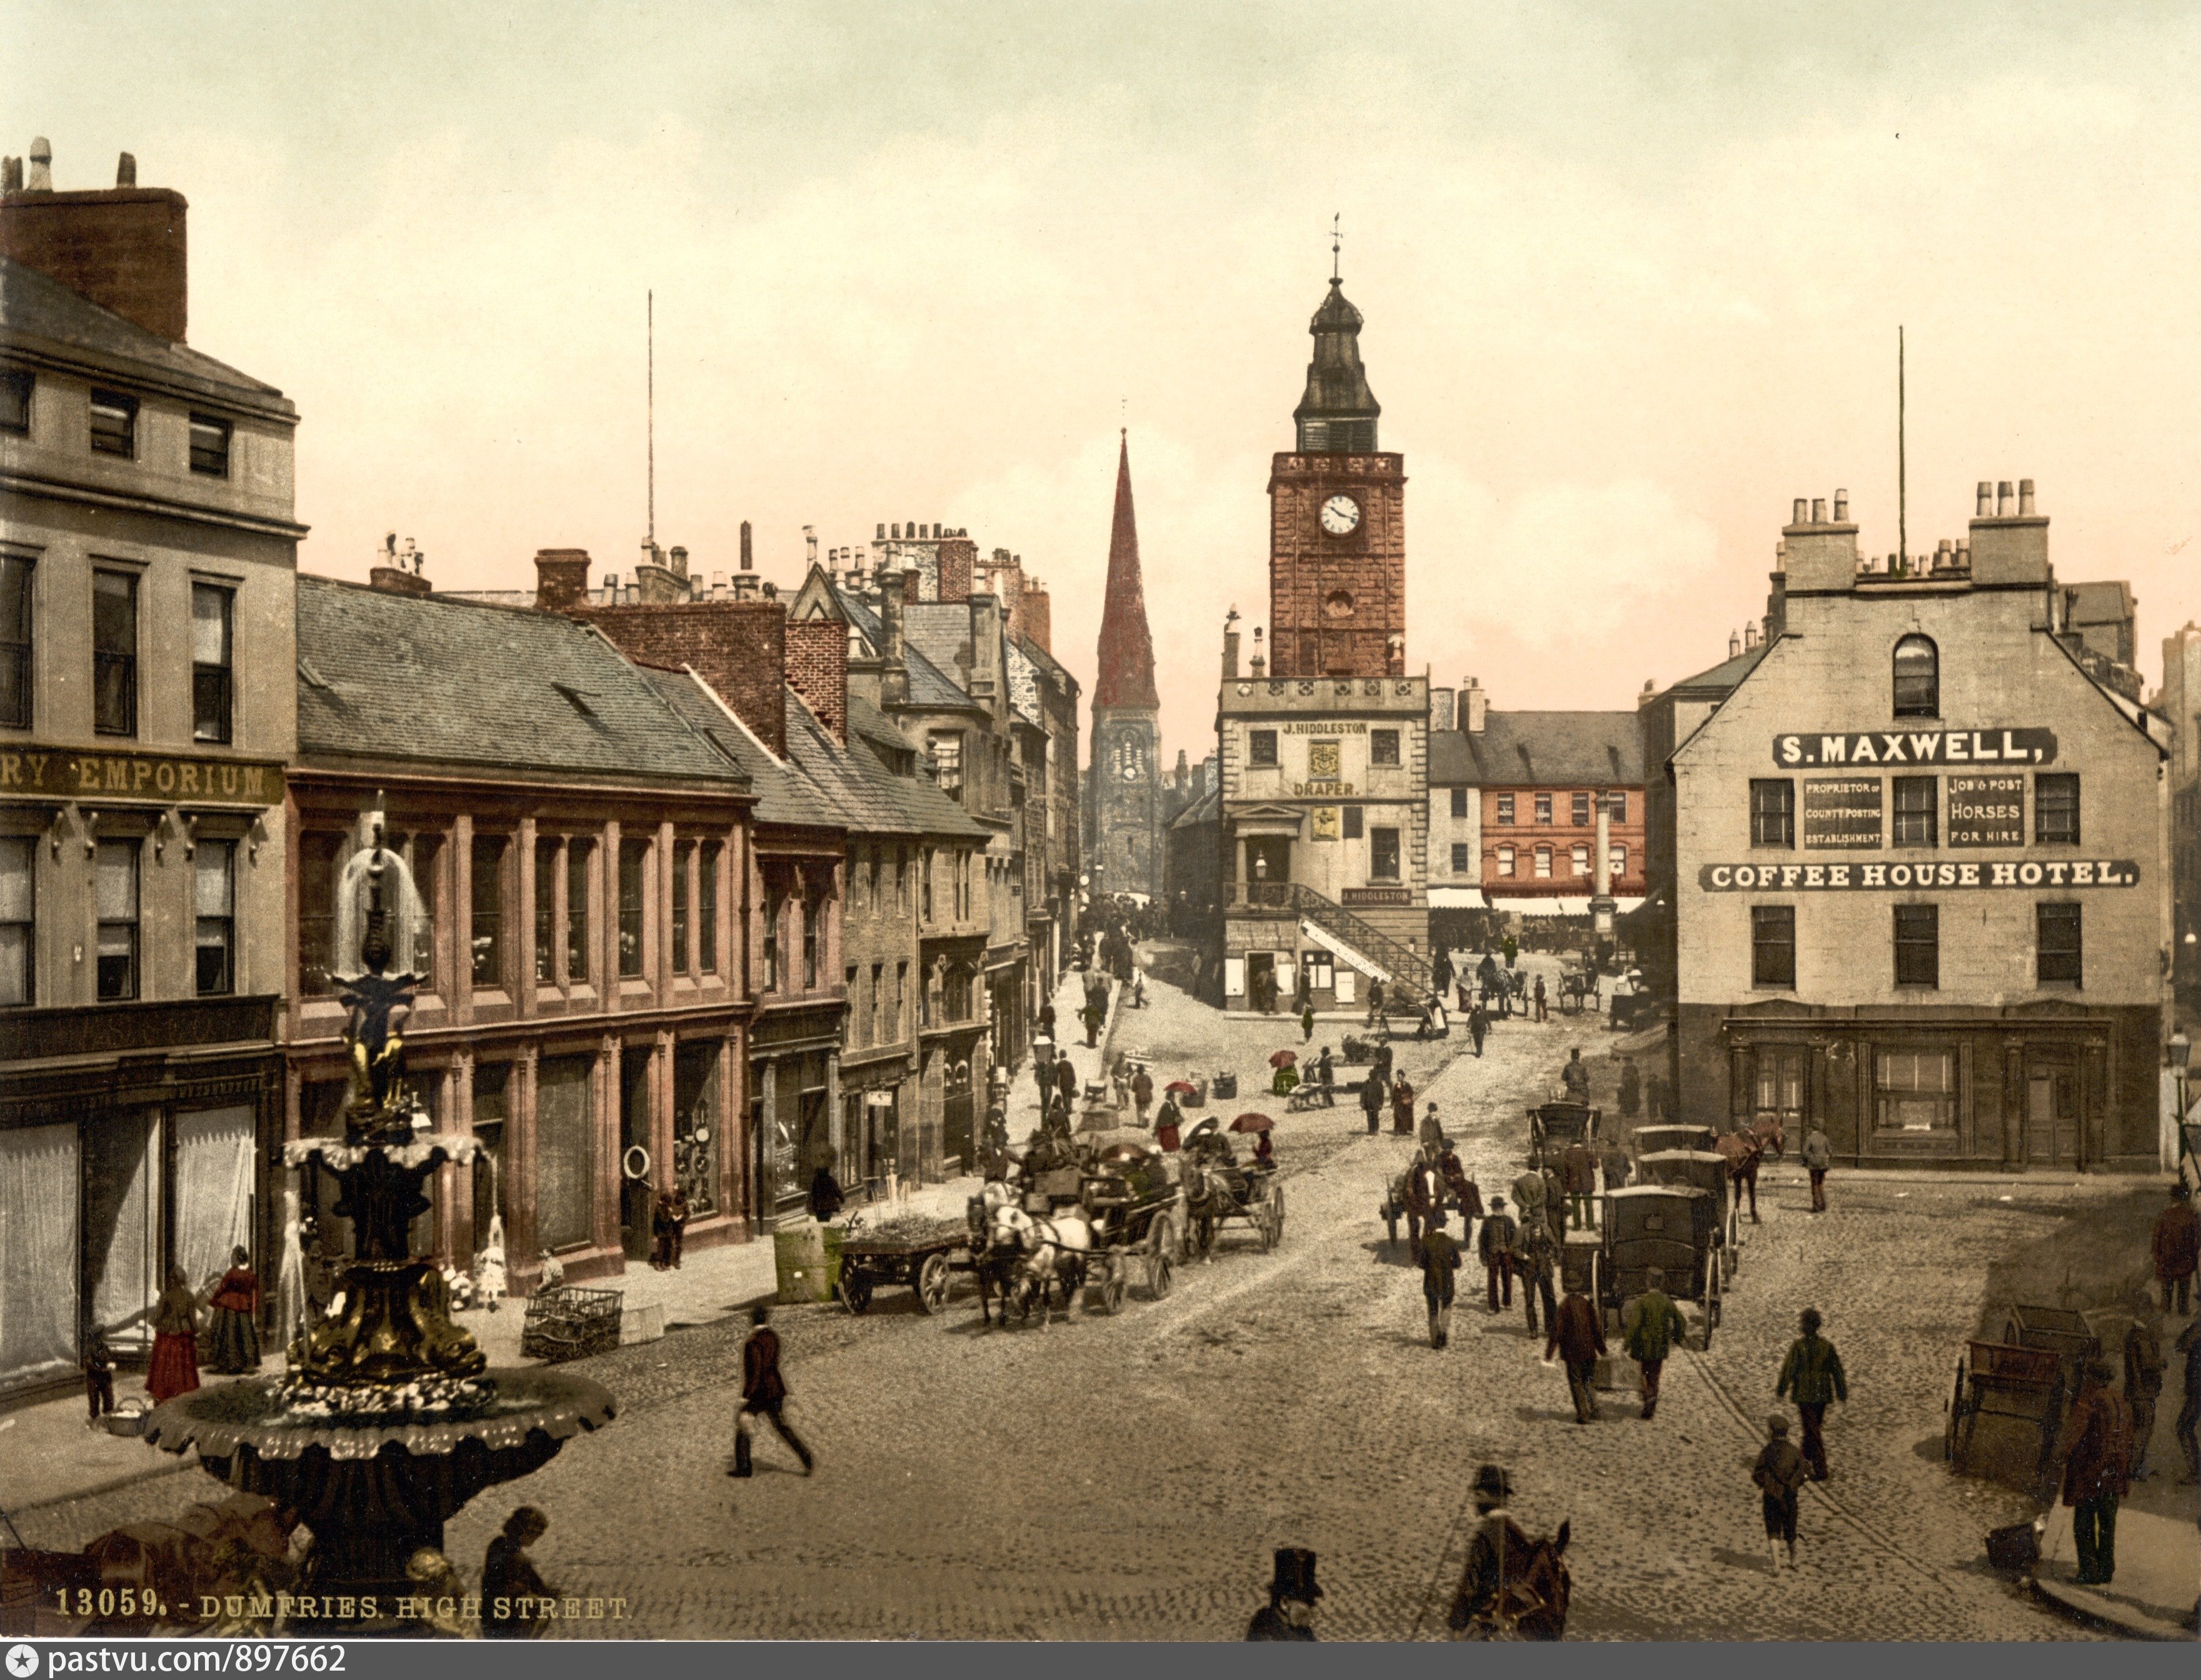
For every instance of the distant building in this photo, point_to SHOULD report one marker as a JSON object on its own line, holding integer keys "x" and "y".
{"x": 2180, "y": 704}
{"x": 1123, "y": 852}
{"x": 1322, "y": 835}
{"x": 1921, "y": 891}
{"x": 148, "y": 566}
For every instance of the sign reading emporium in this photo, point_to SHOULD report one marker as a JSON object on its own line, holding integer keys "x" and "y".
{"x": 73, "y": 774}
{"x": 1880, "y": 877}
{"x": 1917, "y": 746}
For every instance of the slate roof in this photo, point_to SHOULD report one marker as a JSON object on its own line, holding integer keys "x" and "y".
{"x": 783, "y": 796}
{"x": 36, "y": 305}
{"x": 929, "y": 687}
{"x": 925, "y": 810}
{"x": 1204, "y": 810}
{"x": 388, "y": 675}
{"x": 1558, "y": 749}
{"x": 941, "y": 630}
{"x": 1725, "y": 676}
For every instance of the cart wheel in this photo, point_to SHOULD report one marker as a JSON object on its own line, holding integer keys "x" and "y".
{"x": 1112, "y": 1290}
{"x": 1264, "y": 1227}
{"x": 932, "y": 1284}
{"x": 1956, "y": 1411}
{"x": 1711, "y": 1310}
{"x": 1160, "y": 1274}
{"x": 856, "y": 1290}
{"x": 1276, "y": 1215}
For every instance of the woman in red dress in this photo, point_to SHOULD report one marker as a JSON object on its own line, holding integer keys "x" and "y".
{"x": 235, "y": 1306}
{"x": 175, "y": 1366}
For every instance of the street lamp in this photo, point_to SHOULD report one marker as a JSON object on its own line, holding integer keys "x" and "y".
{"x": 2181, "y": 1049}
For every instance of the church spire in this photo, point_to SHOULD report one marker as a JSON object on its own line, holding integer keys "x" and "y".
{"x": 1338, "y": 412}
{"x": 1127, "y": 648}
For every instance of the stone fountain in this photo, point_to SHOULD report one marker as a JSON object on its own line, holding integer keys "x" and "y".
{"x": 387, "y": 1420}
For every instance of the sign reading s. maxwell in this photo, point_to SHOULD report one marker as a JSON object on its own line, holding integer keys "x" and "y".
{"x": 1917, "y": 746}
{"x": 72, "y": 774}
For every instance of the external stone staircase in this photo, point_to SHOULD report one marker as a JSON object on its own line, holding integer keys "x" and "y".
{"x": 1406, "y": 970}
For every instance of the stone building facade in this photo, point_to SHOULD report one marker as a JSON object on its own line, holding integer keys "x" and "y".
{"x": 1922, "y": 889}
{"x": 148, "y": 560}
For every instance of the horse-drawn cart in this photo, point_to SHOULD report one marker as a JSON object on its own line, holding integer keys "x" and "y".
{"x": 1702, "y": 1169}
{"x": 1553, "y": 1126}
{"x": 2001, "y": 1379}
{"x": 1217, "y": 1190}
{"x": 1578, "y": 988}
{"x": 1666, "y": 1227}
{"x": 1649, "y": 1139}
{"x": 924, "y": 1256}
{"x": 1136, "y": 1212}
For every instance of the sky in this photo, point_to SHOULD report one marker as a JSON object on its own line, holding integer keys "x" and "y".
{"x": 1632, "y": 277}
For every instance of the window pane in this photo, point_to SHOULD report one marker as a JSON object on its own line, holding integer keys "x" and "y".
{"x": 1543, "y": 863}
{"x": 1580, "y": 858}
{"x": 15, "y": 643}
{"x": 317, "y": 895}
{"x": 2060, "y": 956}
{"x": 1459, "y": 802}
{"x": 682, "y": 856}
{"x": 1581, "y": 810}
{"x": 1917, "y": 678}
{"x": 16, "y": 855}
{"x": 1618, "y": 860}
{"x": 114, "y": 652}
{"x": 1773, "y": 945}
{"x": 210, "y": 445}
{"x": 1543, "y": 807}
{"x": 1917, "y": 819}
{"x": 1917, "y": 945}
{"x": 1383, "y": 747}
{"x": 210, "y": 615}
{"x": 2056, "y": 809}
{"x": 1459, "y": 864}
{"x": 1504, "y": 807}
{"x": 706, "y": 909}
{"x": 488, "y": 907}
{"x": 114, "y": 423}
{"x": 215, "y": 891}
{"x": 1383, "y": 848}
{"x": 115, "y": 880}
{"x": 1353, "y": 819}
{"x": 546, "y": 911}
{"x": 1773, "y": 812}
{"x": 578, "y": 855}
{"x": 16, "y": 386}
{"x": 632, "y": 855}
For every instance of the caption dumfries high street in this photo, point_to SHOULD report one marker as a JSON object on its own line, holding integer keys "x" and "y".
{"x": 757, "y": 1118}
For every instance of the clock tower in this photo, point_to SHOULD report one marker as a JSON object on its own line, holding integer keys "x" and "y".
{"x": 1337, "y": 543}
{"x": 1123, "y": 810}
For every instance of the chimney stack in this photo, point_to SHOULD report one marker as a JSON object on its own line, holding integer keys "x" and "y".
{"x": 1230, "y": 647}
{"x": 2002, "y": 498}
{"x": 2025, "y": 499}
{"x": 816, "y": 668}
{"x": 810, "y": 545}
{"x": 1734, "y": 644}
{"x": 11, "y": 174}
{"x": 399, "y": 572}
{"x": 125, "y": 171}
{"x": 894, "y": 655}
{"x": 1442, "y": 701}
{"x": 1260, "y": 663}
{"x": 1841, "y": 507}
{"x": 562, "y": 579}
{"x": 958, "y": 558}
{"x": 122, "y": 248}
{"x": 1476, "y": 705}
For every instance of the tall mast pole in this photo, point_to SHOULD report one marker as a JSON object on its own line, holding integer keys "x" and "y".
{"x": 649, "y": 317}
{"x": 1902, "y": 467}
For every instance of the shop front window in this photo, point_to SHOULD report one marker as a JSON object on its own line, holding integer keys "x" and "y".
{"x": 1915, "y": 1090}
{"x": 696, "y": 1125}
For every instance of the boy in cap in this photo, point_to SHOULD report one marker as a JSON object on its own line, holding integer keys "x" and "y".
{"x": 1292, "y": 1592}
{"x": 1779, "y": 1474}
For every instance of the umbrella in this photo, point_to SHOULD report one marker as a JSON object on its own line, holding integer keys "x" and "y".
{"x": 1252, "y": 1123}
{"x": 1283, "y": 1058}
{"x": 1182, "y": 1088}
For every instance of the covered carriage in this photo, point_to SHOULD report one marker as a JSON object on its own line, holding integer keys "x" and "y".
{"x": 1664, "y": 1228}
{"x": 1553, "y": 1126}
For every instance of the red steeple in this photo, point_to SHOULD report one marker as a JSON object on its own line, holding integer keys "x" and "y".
{"x": 1127, "y": 649}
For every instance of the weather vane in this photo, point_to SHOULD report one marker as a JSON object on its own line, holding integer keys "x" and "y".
{"x": 1336, "y": 239}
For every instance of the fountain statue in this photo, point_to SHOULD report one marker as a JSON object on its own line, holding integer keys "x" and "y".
{"x": 388, "y": 1419}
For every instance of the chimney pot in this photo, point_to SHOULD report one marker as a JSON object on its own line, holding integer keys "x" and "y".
{"x": 680, "y": 562}
{"x": 2002, "y": 498}
{"x": 2025, "y": 499}
{"x": 42, "y": 165}
{"x": 1841, "y": 507}
{"x": 1802, "y": 512}
{"x": 11, "y": 174}
{"x": 1734, "y": 644}
{"x": 748, "y": 563}
{"x": 1818, "y": 510}
{"x": 125, "y": 171}
{"x": 1985, "y": 496}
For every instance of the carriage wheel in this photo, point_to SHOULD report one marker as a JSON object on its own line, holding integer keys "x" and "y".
{"x": 1112, "y": 1289}
{"x": 855, "y": 1290}
{"x": 1277, "y": 1213}
{"x": 932, "y": 1284}
{"x": 1160, "y": 1275}
{"x": 1956, "y": 1411}
{"x": 1264, "y": 1227}
{"x": 1711, "y": 1308}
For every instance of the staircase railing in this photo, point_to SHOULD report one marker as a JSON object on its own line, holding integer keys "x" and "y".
{"x": 1410, "y": 968}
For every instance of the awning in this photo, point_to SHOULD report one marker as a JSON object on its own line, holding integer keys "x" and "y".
{"x": 1562, "y": 904}
{"x": 1457, "y": 897}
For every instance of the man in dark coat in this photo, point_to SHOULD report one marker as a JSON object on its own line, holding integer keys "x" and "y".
{"x": 1424, "y": 1200}
{"x": 1439, "y": 1262}
{"x": 1047, "y": 1021}
{"x": 1371, "y": 1098}
{"x": 1495, "y": 1244}
{"x": 1402, "y": 1107}
{"x": 2143, "y": 1384}
{"x": 1325, "y": 1076}
{"x": 2095, "y": 1450}
{"x": 1542, "y": 1012}
{"x": 1575, "y": 1077}
{"x": 1650, "y": 1329}
{"x": 1306, "y": 1023}
{"x": 1631, "y": 1089}
{"x": 1536, "y": 1261}
{"x": 1578, "y": 1338}
{"x": 1614, "y": 1166}
{"x": 1478, "y": 1025}
{"x": 1292, "y": 1594}
{"x": 764, "y": 1392}
{"x": 1494, "y": 1557}
{"x": 1813, "y": 1373}
{"x": 2177, "y": 1247}
{"x": 1578, "y": 1168}
{"x": 1065, "y": 1079}
{"x": 825, "y": 1197}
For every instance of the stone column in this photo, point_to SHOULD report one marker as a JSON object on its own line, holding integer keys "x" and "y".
{"x": 1600, "y": 906}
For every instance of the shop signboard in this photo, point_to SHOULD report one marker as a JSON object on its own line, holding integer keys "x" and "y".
{"x": 1882, "y": 877}
{"x": 1986, "y": 810}
{"x": 1841, "y": 812}
{"x": 1915, "y": 747}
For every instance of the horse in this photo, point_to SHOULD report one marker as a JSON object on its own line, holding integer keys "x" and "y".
{"x": 991, "y": 1259}
{"x": 1767, "y": 1129}
{"x": 1533, "y": 1588}
{"x": 1743, "y": 1151}
{"x": 1050, "y": 1251}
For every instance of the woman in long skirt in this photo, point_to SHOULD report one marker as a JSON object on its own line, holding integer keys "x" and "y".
{"x": 235, "y": 1306}
{"x": 175, "y": 1366}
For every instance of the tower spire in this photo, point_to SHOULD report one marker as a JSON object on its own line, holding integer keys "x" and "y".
{"x": 1126, "y": 676}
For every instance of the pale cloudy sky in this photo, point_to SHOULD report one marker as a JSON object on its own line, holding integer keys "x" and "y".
{"x": 1632, "y": 275}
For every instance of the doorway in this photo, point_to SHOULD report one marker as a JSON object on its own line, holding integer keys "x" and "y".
{"x": 1261, "y": 980}
{"x": 2052, "y": 1111}
{"x": 1781, "y": 1083}
{"x": 634, "y": 1150}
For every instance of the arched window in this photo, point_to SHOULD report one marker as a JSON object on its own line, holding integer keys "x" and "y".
{"x": 1918, "y": 677}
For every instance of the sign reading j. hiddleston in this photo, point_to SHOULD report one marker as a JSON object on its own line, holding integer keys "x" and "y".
{"x": 1917, "y": 746}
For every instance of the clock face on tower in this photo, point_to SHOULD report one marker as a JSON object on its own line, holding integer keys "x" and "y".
{"x": 1340, "y": 515}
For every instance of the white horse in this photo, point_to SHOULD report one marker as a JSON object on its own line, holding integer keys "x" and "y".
{"x": 1050, "y": 1251}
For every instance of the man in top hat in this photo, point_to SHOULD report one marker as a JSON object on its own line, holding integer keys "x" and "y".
{"x": 1652, "y": 1328}
{"x": 1475, "y": 1605}
{"x": 1495, "y": 1243}
{"x": 1292, "y": 1594}
{"x": 1325, "y": 1076}
{"x": 2177, "y": 1248}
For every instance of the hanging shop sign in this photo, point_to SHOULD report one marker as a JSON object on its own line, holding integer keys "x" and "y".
{"x": 1881, "y": 877}
{"x": 1986, "y": 810}
{"x": 72, "y": 773}
{"x": 1841, "y": 813}
{"x": 1917, "y": 746}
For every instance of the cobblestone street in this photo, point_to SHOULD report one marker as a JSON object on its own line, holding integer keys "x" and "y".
{"x": 1125, "y": 1477}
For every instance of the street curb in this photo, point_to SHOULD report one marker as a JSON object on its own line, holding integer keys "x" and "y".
{"x": 2094, "y": 1609}
{"x": 114, "y": 1484}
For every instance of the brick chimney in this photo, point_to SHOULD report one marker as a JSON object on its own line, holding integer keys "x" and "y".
{"x": 562, "y": 579}
{"x": 739, "y": 648}
{"x": 894, "y": 655}
{"x": 403, "y": 570}
{"x": 958, "y": 558}
{"x": 817, "y": 669}
{"x": 122, "y": 248}
{"x": 1037, "y": 607}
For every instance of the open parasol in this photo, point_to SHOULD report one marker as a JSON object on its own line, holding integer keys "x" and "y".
{"x": 1182, "y": 1088}
{"x": 1252, "y": 1122}
{"x": 1283, "y": 1058}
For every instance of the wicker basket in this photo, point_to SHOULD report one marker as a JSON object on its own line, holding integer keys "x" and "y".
{"x": 570, "y": 1323}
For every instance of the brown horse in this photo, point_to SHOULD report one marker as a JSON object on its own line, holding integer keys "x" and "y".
{"x": 1531, "y": 1585}
{"x": 1766, "y": 1128}
{"x": 1743, "y": 1151}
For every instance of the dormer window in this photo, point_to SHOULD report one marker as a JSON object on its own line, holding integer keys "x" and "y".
{"x": 1918, "y": 677}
